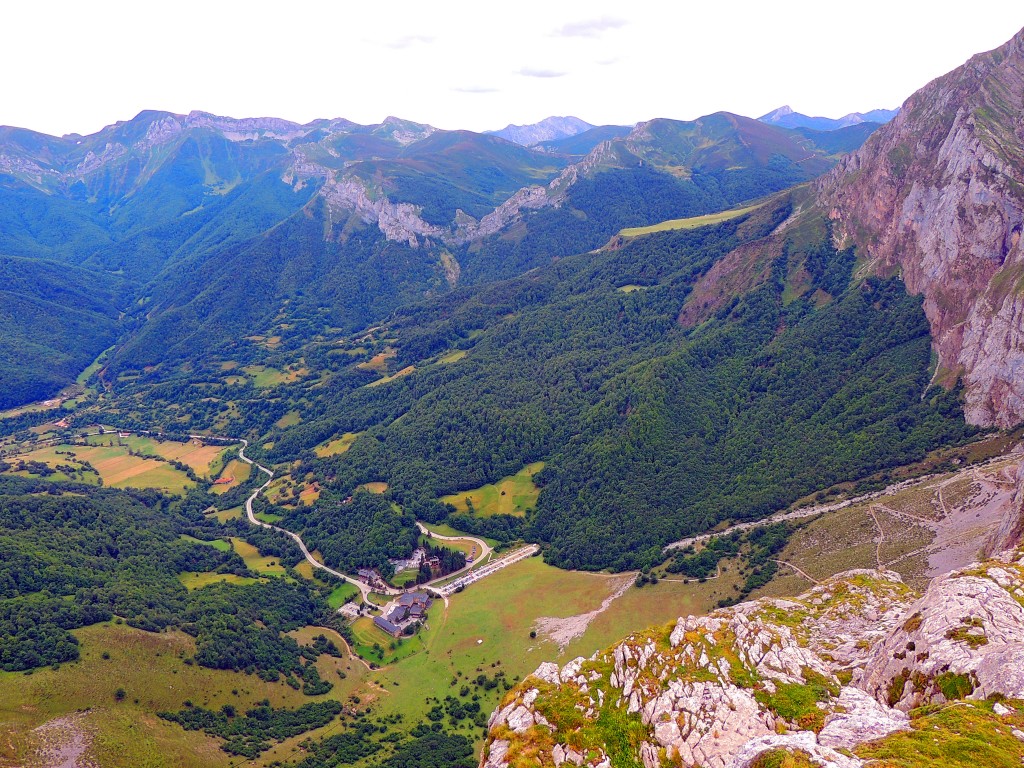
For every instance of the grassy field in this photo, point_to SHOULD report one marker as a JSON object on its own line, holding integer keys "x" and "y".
{"x": 234, "y": 513}
{"x": 408, "y": 576}
{"x": 285, "y": 491}
{"x": 339, "y": 594}
{"x": 290, "y": 419}
{"x": 150, "y": 668}
{"x": 377, "y": 646}
{"x": 254, "y": 561}
{"x": 511, "y": 495}
{"x": 219, "y": 544}
{"x": 378, "y": 362}
{"x": 264, "y": 376}
{"x": 200, "y": 457}
{"x": 197, "y": 580}
{"x": 453, "y": 357}
{"x": 691, "y": 223}
{"x": 115, "y": 467}
{"x": 397, "y": 375}
{"x": 340, "y": 445}
{"x": 238, "y": 471}
{"x": 487, "y": 628}
{"x": 447, "y": 530}
{"x": 376, "y": 487}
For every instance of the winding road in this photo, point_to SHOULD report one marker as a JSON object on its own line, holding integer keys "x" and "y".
{"x": 480, "y": 544}
{"x": 363, "y": 587}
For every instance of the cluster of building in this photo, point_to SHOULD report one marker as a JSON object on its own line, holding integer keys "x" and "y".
{"x": 407, "y": 610}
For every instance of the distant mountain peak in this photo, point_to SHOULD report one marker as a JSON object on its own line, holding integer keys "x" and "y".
{"x": 548, "y": 129}
{"x": 786, "y": 117}
{"x": 775, "y": 115}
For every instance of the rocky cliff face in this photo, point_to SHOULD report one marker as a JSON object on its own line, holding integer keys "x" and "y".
{"x": 830, "y": 676}
{"x": 938, "y": 194}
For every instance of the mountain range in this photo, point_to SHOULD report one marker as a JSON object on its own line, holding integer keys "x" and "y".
{"x": 622, "y": 349}
{"x": 171, "y": 207}
{"x": 548, "y": 129}
{"x": 787, "y": 118}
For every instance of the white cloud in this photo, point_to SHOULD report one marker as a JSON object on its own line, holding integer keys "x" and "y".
{"x": 590, "y": 27}
{"x": 543, "y": 73}
{"x": 408, "y": 41}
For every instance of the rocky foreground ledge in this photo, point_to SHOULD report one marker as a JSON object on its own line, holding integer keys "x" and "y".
{"x": 859, "y": 671}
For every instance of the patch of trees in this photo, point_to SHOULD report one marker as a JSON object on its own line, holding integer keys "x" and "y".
{"x": 448, "y": 561}
{"x": 756, "y": 548}
{"x": 249, "y": 735}
{"x": 346, "y": 748}
{"x": 73, "y": 555}
{"x": 432, "y": 749}
{"x": 361, "y": 531}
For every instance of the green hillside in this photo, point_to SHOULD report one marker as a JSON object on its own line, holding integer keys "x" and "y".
{"x": 54, "y": 320}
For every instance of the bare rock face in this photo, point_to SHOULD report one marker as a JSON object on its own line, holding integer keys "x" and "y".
{"x": 1010, "y": 532}
{"x": 800, "y": 743}
{"x": 859, "y": 718}
{"x": 965, "y": 636}
{"x": 818, "y": 676}
{"x": 938, "y": 195}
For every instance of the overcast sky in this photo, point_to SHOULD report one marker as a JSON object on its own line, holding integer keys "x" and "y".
{"x": 77, "y": 66}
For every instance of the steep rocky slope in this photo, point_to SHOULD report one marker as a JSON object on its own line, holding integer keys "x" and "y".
{"x": 938, "y": 194}
{"x": 857, "y": 669}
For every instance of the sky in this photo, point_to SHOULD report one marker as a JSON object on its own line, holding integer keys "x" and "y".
{"x": 73, "y": 67}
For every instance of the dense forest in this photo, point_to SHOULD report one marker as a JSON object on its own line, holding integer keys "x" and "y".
{"x": 54, "y": 320}
{"x": 73, "y": 555}
{"x": 361, "y": 531}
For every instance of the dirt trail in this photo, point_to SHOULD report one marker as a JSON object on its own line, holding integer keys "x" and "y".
{"x": 800, "y": 571}
{"x": 881, "y": 536}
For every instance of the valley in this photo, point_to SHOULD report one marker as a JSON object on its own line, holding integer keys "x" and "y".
{"x": 687, "y": 443}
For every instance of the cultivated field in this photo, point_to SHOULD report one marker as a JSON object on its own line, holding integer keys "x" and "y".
{"x": 264, "y": 376}
{"x": 236, "y": 472}
{"x": 397, "y": 375}
{"x": 114, "y": 465}
{"x": 254, "y": 561}
{"x": 452, "y": 357}
{"x": 203, "y": 459}
{"x": 340, "y": 445}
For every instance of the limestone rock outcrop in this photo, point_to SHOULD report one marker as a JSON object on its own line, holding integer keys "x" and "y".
{"x": 822, "y": 675}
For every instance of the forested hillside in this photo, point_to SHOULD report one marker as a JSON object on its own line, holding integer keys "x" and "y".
{"x": 54, "y": 320}
{"x": 782, "y": 376}
{"x": 73, "y": 555}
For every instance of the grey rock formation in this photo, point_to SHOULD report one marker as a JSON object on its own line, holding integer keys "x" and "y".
{"x": 969, "y": 624}
{"x": 938, "y": 195}
{"x": 714, "y": 691}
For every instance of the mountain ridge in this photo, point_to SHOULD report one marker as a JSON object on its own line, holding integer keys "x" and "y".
{"x": 786, "y": 117}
